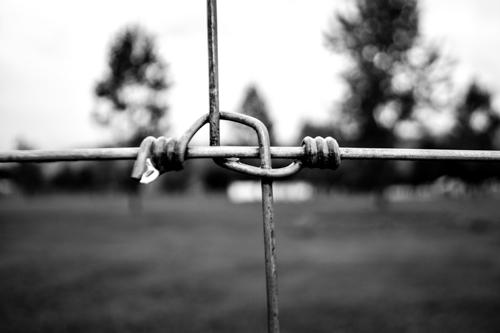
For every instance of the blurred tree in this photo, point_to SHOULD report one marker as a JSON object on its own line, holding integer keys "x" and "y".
{"x": 391, "y": 78}
{"x": 254, "y": 105}
{"x": 376, "y": 38}
{"x": 130, "y": 97}
{"x": 477, "y": 127}
{"x": 477, "y": 122}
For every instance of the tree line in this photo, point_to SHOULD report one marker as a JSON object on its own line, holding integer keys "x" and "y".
{"x": 398, "y": 93}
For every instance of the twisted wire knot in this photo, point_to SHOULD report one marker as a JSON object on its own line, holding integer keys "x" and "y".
{"x": 157, "y": 156}
{"x": 323, "y": 153}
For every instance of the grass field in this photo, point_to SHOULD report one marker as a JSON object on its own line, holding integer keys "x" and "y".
{"x": 195, "y": 264}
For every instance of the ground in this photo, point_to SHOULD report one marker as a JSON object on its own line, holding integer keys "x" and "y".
{"x": 195, "y": 264}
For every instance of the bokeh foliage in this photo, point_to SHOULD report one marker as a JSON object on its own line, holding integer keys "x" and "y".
{"x": 131, "y": 95}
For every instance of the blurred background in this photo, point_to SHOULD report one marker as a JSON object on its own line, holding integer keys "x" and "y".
{"x": 373, "y": 246}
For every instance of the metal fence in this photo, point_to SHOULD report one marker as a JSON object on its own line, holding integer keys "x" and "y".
{"x": 158, "y": 155}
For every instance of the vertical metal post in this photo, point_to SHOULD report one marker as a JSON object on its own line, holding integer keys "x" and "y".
{"x": 267, "y": 184}
{"x": 270, "y": 257}
{"x": 273, "y": 325}
{"x": 213, "y": 73}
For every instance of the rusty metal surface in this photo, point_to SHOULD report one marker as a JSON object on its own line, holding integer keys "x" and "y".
{"x": 267, "y": 211}
{"x": 265, "y": 156}
{"x": 192, "y": 152}
{"x": 270, "y": 256}
{"x": 213, "y": 72}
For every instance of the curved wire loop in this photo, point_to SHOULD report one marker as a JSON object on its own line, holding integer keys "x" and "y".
{"x": 265, "y": 170}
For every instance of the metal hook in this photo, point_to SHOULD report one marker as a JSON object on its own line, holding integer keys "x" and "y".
{"x": 150, "y": 174}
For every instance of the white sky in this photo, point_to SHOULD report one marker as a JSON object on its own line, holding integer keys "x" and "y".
{"x": 53, "y": 52}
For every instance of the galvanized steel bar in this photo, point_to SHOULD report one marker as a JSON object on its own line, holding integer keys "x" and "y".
{"x": 267, "y": 187}
{"x": 270, "y": 254}
{"x": 267, "y": 212}
{"x": 96, "y": 154}
{"x": 213, "y": 73}
{"x": 90, "y": 154}
{"x": 418, "y": 154}
{"x": 348, "y": 153}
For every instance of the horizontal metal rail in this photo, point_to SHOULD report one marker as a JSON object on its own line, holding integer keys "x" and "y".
{"x": 95, "y": 154}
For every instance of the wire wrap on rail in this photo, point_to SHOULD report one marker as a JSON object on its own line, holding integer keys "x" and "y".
{"x": 159, "y": 155}
{"x": 163, "y": 154}
{"x": 323, "y": 153}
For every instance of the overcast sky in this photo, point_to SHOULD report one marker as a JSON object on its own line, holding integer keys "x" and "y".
{"x": 53, "y": 52}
